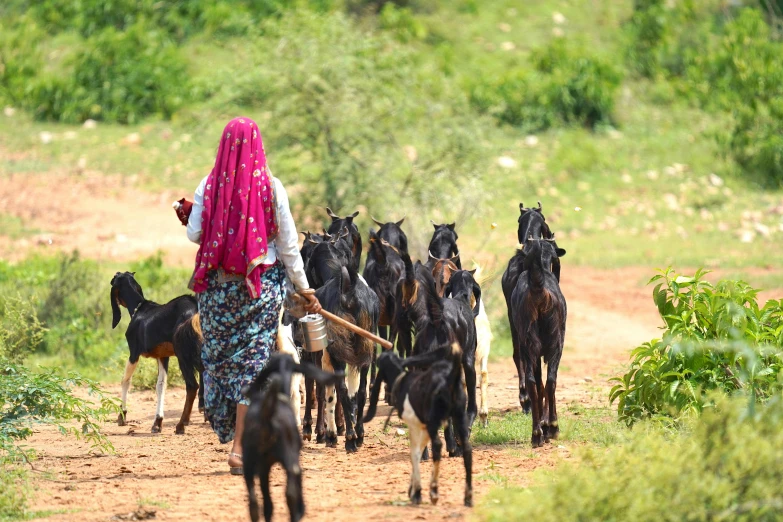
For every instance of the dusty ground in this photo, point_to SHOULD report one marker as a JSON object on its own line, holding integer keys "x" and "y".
{"x": 182, "y": 477}
{"x": 185, "y": 477}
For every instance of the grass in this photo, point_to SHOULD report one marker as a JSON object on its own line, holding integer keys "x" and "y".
{"x": 14, "y": 227}
{"x": 597, "y": 426}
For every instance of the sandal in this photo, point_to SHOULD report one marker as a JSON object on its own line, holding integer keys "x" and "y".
{"x": 235, "y": 470}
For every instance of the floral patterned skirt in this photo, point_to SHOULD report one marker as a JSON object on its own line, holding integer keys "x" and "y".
{"x": 239, "y": 336}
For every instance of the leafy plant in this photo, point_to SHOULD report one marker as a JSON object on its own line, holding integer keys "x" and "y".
{"x": 717, "y": 337}
{"x": 720, "y": 468}
{"x": 20, "y": 330}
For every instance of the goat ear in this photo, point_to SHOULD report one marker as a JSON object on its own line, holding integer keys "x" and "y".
{"x": 116, "y": 314}
{"x": 400, "y": 222}
{"x": 522, "y": 208}
{"x": 352, "y": 216}
{"x": 472, "y": 272}
{"x": 376, "y": 221}
{"x": 345, "y": 280}
{"x": 560, "y": 252}
{"x": 331, "y": 214}
{"x": 434, "y": 224}
{"x": 477, "y": 297}
{"x": 451, "y": 226}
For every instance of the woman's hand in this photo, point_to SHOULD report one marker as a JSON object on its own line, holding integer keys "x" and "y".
{"x": 312, "y": 305}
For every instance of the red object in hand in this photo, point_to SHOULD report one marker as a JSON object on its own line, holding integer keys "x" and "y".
{"x": 183, "y": 208}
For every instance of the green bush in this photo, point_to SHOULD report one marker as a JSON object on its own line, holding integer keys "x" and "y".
{"x": 14, "y": 489}
{"x": 717, "y": 338}
{"x": 756, "y": 142}
{"x": 20, "y": 330}
{"x": 120, "y": 77}
{"x": 726, "y": 466}
{"x": 20, "y": 58}
{"x": 567, "y": 86}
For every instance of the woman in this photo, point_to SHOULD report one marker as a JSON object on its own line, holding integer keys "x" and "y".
{"x": 241, "y": 219}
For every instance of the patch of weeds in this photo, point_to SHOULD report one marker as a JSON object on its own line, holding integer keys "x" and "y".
{"x": 14, "y": 228}
{"x": 146, "y": 502}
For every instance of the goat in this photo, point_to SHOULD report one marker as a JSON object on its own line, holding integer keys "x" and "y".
{"x": 462, "y": 285}
{"x": 438, "y": 321}
{"x": 392, "y": 233}
{"x": 538, "y": 311}
{"x": 355, "y": 242}
{"x": 443, "y": 244}
{"x": 442, "y": 269}
{"x": 159, "y": 332}
{"x": 426, "y": 400}
{"x": 324, "y": 257}
{"x": 383, "y": 272}
{"x": 271, "y": 435}
{"x": 531, "y": 224}
{"x": 286, "y": 345}
{"x": 347, "y": 296}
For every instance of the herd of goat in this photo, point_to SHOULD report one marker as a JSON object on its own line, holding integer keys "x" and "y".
{"x": 432, "y": 312}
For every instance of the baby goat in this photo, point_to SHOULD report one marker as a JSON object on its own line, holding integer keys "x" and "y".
{"x": 538, "y": 312}
{"x": 271, "y": 433}
{"x": 426, "y": 400}
{"x": 159, "y": 332}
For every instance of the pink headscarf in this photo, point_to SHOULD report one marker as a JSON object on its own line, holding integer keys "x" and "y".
{"x": 239, "y": 217}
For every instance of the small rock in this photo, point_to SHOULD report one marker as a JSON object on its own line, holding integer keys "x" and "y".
{"x": 90, "y": 124}
{"x": 70, "y": 135}
{"x": 723, "y": 227}
{"x": 626, "y": 178}
{"x": 133, "y": 138}
{"x": 762, "y": 229}
{"x": 504, "y": 27}
{"x": 400, "y": 432}
{"x": 652, "y": 174}
{"x": 494, "y": 226}
{"x": 82, "y": 163}
{"x": 186, "y": 138}
{"x": 508, "y": 46}
{"x": 507, "y": 162}
{"x": 715, "y": 180}
{"x": 671, "y": 201}
{"x": 615, "y": 134}
{"x": 577, "y": 209}
{"x": 531, "y": 140}
{"x": 588, "y": 379}
{"x": 747, "y": 236}
{"x": 46, "y": 137}
{"x": 670, "y": 171}
{"x": 411, "y": 153}
{"x": 9, "y": 111}
{"x": 558, "y": 18}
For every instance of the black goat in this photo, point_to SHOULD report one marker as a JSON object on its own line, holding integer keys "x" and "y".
{"x": 425, "y": 400}
{"x": 538, "y": 312}
{"x": 392, "y": 233}
{"x": 531, "y": 224}
{"x": 439, "y": 321}
{"x": 443, "y": 244}
{"x": 355, "y": 241}
{"x": 159, "y": 332}
{"x": 383, "y": 272}
{"x": 324, "y": 257}
{"x": 271, "y": 434}
{"x": 348, "y": 297}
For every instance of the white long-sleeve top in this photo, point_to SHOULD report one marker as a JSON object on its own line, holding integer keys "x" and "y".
{"x": 286, "y": 244}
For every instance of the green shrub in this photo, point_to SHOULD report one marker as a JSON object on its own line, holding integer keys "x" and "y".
{"x": 726, "y": 466}
{"x": 120, "y": 77}
{"x": 20, "y": 330}
{"x": 717, "y": 338}
{"x": 20, "y": 58}
{"x": 567, "y": 86}
{"x": 14, "y": 489}
{"x": 756, "y": 142}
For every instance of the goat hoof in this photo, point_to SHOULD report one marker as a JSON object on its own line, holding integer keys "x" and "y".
{"x": 121, "y": 418}
{"x": 469, "y": 498}
{"x": 359, "y": 441}
{"x": 553, "y": 432}
{"x": 416, "y": 498}
{"x": 157, "y": 425}
{"x": 434, "y": 495}
{"x": 457, "y": 452}
{"x": 350, "y": 446}
{"x": 331, "y": 440}
{"x": 484, "y": 420}
{"x": 180, "y": 429}
{"x": 307, "y": 433}
{"x": 535, "y": 441}
{"x": 340, "y": 431}
{"x": 320, "y": 438}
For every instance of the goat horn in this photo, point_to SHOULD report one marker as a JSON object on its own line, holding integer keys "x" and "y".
{"x": 530, "y": 238}
{"x": 539, "y": 205}
{"x": 343, "y": 232}
{"x": 331, "y": 214}
{"x": 434, "y": 224}
{"x": 431, "y": 256}
{"x": 376, "y": 221}
{"x": 456, "y": 256}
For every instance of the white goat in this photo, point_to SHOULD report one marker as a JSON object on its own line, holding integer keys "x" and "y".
{"x": 484, "y": 338}
{"x": 285, "y": 344}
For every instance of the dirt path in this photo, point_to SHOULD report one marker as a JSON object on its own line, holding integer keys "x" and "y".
{"x": 184, "y": 477}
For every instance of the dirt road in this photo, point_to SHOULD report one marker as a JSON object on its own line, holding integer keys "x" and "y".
{"x": 185, "y": 477}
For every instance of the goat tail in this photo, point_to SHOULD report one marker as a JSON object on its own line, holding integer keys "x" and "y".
{"x": 375, "y": 394}
{"x": 195, "y": 322}
{"x": 270, "y": 398}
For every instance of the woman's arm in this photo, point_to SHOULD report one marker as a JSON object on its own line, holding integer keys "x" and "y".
{"x": 194, "y": 221}
{"x": 287, "y": 240}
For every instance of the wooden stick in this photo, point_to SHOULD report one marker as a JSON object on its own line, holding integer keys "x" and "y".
{"x": 356, "y": 329}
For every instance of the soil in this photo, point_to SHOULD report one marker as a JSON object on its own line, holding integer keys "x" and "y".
{"x": 176, "y": 477}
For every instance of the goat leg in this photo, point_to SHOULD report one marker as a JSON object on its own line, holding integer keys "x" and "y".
{"x": 293, "y": 490}
{"x": 160, "y": 388}
{"x": 268, "y": 508}
{"x": 463, "y": 435}
{"x": 551, "y": 386}
{"x": 361, "y": 399}
{"x": 190, "y": 398}
{"x": 345, "y": 400}
{"x": 130, "y": 367}
{"x": 252, "y": 500}
{"x": 437, "y": 447}
{"x": 340, "y": 416}
{"x": 307, "y": 423}
{"x": 532, "y": 386}
{"x": 451, "y": 443}
{"x": 524, "y": 398}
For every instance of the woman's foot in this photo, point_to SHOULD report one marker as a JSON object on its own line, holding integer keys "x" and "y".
{"x": 235, "y": 463}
